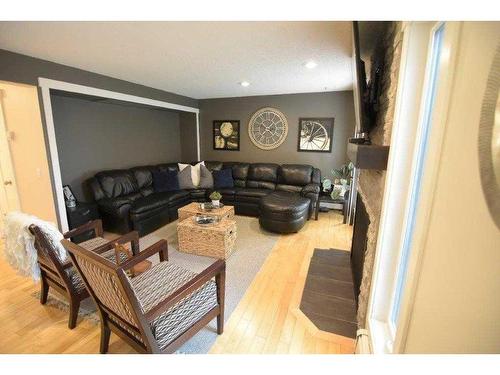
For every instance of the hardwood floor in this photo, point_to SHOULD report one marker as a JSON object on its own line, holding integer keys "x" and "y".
{"x": 267, "y": 319}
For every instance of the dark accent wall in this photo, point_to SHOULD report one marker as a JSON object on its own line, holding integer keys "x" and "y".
{"x": 15, "y": 67}
{"x": 96, "y": 135}
{"x": 189, "y": 149}
{"x": 339, "y": 105}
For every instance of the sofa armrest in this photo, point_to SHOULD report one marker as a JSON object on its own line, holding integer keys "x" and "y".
{"x": 310, "y": 189}
{"x": 114, "y": 206}
{"x": 96, "y": 189}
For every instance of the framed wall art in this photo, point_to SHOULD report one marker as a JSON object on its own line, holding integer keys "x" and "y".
{"x": 226, "y": 135}
{"x": 69, "y": 197}
{"x": 268, "y": 128}
{"x": 315, "y": 134}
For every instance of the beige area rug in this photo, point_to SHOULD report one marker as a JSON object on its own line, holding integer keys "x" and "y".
{"x": 253, "y": 245}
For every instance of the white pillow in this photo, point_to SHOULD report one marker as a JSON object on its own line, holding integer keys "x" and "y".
{"x": 195, "y": 172}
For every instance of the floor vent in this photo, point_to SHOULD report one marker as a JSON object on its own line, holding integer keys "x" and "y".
{"x": 328, "y": 296}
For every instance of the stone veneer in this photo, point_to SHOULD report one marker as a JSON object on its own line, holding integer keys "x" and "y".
{"x": 371, "y": 182}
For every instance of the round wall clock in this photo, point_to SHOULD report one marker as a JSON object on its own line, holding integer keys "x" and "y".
{"x": 267, "y": 128}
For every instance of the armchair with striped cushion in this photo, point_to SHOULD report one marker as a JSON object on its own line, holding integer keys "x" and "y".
{"x": 60, "y": 274}
{"x": 158, "y": 310}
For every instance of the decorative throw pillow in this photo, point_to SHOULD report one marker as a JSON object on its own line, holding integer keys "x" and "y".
{"x": 185, "y": 180}
{"x": 223, "y": 178}
{"x": 165, "y": 181}
{"x": 206, "y": 178}
{"x": 182, "y": 166}
{"x": 195, "y": 171}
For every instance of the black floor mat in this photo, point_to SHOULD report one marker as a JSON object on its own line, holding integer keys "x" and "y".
{"x": 328, "y": 297}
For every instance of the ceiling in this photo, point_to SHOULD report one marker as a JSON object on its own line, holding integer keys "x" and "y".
{"x": 196, "y": 59}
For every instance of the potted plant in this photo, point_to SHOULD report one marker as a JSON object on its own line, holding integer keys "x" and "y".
{"x": 215, "y": 198}
{"x": 327, "y": 185}
{"x": 342, "y": 180}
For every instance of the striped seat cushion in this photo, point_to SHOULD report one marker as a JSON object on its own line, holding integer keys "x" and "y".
{"x": 93, "y": 243}
{"x": 154, "y": 285}
{"x": 75, "y": 279}
{"x": 96, "y": 242}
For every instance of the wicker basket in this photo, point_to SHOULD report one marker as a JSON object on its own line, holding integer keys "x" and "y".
{"x": 191, "y": 209}
{"x": 217, "y": 241}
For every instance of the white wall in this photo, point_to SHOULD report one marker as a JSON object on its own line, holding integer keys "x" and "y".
{"x": 27, "y": 148}
{"x": 457, "y": 302}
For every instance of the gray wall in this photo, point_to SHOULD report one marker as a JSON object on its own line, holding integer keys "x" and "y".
{"x": 339, "y": 105}
{"x": 94, "y": 136}
{"x": 15, "y": 67}
{"x": 189, "y": 149}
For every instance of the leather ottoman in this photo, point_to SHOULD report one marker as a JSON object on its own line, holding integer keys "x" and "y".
{"x": 283, "y": 212}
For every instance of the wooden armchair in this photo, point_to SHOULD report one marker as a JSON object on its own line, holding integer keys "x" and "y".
{"x": 61, "y": 275}
{"x": 158, "y": 310}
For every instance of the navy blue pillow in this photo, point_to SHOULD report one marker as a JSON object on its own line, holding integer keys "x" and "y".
{"x": 165, "y": 181}
{"x": 223, "y": 178}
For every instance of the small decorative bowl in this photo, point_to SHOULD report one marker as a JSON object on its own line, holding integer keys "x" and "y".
{"x": 206, "y": 220}
{"x": 208, "y": 206}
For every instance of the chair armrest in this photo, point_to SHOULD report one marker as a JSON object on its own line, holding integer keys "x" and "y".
{"x": 132, "y": 237}
{"x": 160, "y": 246}
{"x": 96, "y": 225}
{"x": 219, "y": 267}
{"x": 310, "y": 189}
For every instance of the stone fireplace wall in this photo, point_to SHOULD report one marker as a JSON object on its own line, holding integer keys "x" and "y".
{"x": 371, "y": 182}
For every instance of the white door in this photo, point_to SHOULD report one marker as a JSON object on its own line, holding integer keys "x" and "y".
{"x": 9, "y": 199}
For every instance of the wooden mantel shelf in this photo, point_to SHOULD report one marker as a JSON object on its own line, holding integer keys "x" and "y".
{"x": 368, "y": 156}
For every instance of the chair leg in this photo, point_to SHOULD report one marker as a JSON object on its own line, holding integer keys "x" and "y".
{"x": 44, "y": 290}
{"x": 105, "y": 335}
{"x": 220, "y": 323}
{"x": 74, "y": 306}
{"x": 220, "y": 280}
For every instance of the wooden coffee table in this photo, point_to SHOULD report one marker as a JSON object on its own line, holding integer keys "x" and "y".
{"x": 192, "y": 209}
{"x": 217, "y": 241}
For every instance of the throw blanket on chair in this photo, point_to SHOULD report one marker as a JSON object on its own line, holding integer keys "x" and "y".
{"x": 20, "y": 243}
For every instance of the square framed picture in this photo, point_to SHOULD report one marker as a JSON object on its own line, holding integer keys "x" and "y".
{"x": 315, "y": 134}
{"x": 68, "y": 194}
{"x": 226, "y": 135}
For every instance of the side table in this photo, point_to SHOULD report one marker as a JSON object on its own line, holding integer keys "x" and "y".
{"x": 326, "y": 203}
{"x": 82, "y": 213}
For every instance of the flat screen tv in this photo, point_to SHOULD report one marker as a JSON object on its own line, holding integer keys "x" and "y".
{"x": 365, "y": 94}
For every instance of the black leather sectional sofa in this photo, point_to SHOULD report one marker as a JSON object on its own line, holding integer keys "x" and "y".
{"x": 127, "y": 200}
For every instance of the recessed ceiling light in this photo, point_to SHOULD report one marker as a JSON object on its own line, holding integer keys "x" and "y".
{"x": 245, "y": 83}
{"x": 310, "y": 65}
